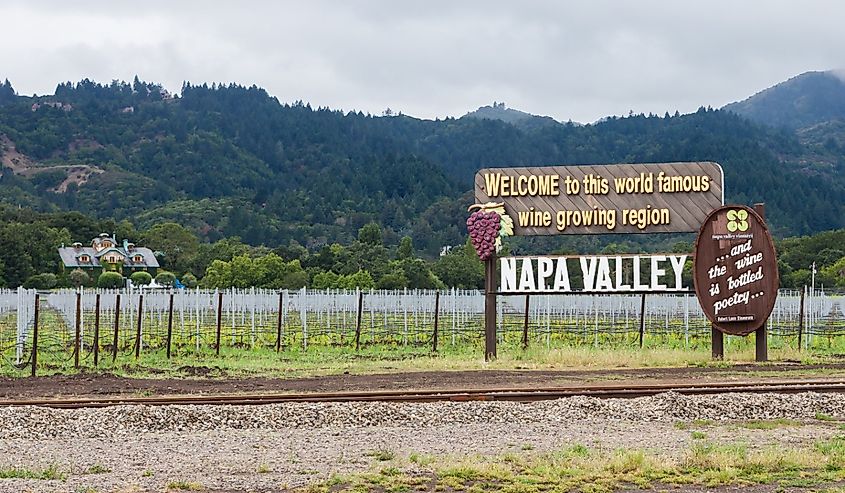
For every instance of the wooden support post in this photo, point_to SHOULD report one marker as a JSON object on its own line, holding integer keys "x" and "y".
{"x": 801, "y": 318}
{"x": 219, "y": 321}
{"x": 97, "y": 330}
{"x": 358, "y": 323}
{"x": 77, "y": 324}
{"x": 761, "y": 352}
{"x": 169, "y": 324}
{"x": 138, "y": 326}
{"x": 116, "y": 326}
{"x": 35, "y": 335}
{"x": 436, "y": 320}
{"x": 642, "y": 320}
{"x": 279, "y": 321}
{"x": 525, "y": 325}
{"x": 717, "y": 351}
{"x": 490, "y": 309}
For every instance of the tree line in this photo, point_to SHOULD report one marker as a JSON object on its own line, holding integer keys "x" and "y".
{"x": 29, "y": 257}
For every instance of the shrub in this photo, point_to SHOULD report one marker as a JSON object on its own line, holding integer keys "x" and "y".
{"x": 141, "y": 278}
{"x": 361, "y": 279}
{"x": 165, "y": 278}
{"x": 41, "y": 281}
{"x": 325, "y": 280}
{"x": 189, "y": 280}
{"x": 79, "y": 277}
{"x": 109, "y": 280}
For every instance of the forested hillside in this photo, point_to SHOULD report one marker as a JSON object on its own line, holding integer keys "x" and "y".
{"x": 800, "y": 102}
{"x": 233, "y": 161}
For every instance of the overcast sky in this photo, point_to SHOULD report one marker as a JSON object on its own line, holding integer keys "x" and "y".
{"x": 569, "y": 60}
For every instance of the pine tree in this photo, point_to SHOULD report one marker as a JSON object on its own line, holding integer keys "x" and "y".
{"x": 7, "y": 93}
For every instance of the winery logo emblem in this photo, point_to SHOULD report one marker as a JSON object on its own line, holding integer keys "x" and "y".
{"x": 732, "y": 225}
{"x": 737, "y": 220}
{"x": 487, "y": 226}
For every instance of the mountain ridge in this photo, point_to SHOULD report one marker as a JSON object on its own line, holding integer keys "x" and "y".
{"x": 230, "y": 160}
{"x": 499, "y": 111}
{"x": 800, "y": 102}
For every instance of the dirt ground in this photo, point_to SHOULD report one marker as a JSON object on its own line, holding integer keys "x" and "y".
{"x": 103, "y": 384}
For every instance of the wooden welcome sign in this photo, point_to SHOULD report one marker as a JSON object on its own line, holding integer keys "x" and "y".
{"x": 586, "y": 200}
{"x": 735, "y": 270}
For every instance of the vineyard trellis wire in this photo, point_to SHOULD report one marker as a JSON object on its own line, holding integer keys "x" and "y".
{"x": 260, "y": 318}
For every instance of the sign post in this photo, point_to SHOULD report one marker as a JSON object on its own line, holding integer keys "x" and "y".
{"x": 761, "y": 337}
{"x": 490, "y": 309}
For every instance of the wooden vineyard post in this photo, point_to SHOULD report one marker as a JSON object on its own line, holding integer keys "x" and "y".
{"x": 436, "y": 321}
{"x": 642, "y": 320}
{"x": 525, "y": 325}
{"x": 35, "y": 335}
{"x": 279, "y": 321}
{"x": 77, "y": 323}
{"x": 116, "y": 326}
{"x": 97, "y": 330}
{"x": 169, "y": 324}
{"x": 801, "y": 317}
{"x": 138, "y": 326}
{"x": 358, "y": 322}
{"x": 219, "y": 321}
{"x": 490, "y": 308}
{"x": 761, "y": 336}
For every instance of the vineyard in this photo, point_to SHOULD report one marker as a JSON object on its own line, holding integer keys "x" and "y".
{"x": 120, "y": 326}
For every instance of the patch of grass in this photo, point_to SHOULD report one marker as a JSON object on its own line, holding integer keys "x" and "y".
{"x": 577, "y": 450}
{"x": 579, "y": 468}
{"x": 263, "y": 468}
{"x": 147, "y": 474}
{"x": 325, "y": 359}
{"x": 768, "y": 424}
{"x": 389, "y": 471}
{"x": 51, "y": 472}
{"x": 834, "y": 451}
{"x": 185, "y": 486}
{"x": 97, "y": 469}
{"x": 421, "y": 459}
{"x": 698, "y": 435}
{"x": 824, "y": 417}
{"x": 684, "y": 425}
{"x": 526, "y": 447}
{"x": 381, "y": 455}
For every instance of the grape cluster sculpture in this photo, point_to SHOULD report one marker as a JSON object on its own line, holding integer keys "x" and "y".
{"x": 487, "y": 225}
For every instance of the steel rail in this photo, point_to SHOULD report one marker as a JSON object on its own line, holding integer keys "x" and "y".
{"x": 463, "y": 395}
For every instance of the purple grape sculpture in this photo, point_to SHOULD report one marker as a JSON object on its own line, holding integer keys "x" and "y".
{"x": 487, "y": 226}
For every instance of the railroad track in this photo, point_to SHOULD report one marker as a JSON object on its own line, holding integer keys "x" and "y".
{"x": 418, "y": 396}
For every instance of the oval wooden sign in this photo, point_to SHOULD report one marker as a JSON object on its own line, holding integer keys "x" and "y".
{"x": 735, "y": 270}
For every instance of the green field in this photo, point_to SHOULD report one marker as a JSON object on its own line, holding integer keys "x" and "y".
{"x": 324, "y": 342}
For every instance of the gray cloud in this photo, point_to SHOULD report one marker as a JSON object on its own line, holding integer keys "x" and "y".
{"x": 579, "y": 60}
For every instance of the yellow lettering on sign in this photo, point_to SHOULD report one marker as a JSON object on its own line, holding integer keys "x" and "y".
{"x": 499, "y": 185}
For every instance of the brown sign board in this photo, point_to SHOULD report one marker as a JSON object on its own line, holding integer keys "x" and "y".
{"x": 735, "y": 270}
{"x": 601, "y": 199}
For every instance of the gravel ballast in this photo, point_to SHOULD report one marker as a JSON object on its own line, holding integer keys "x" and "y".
{"x": 268, "y": 447}
{"x": 37, "y": 422}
